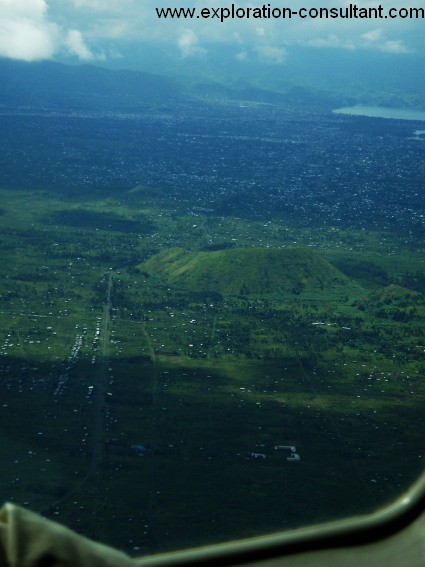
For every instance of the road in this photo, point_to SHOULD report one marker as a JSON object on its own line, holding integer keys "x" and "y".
{"x": 101, "y": 382}
{"x": 99, "y": 398}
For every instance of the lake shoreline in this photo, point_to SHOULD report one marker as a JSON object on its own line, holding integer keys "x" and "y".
{"x": 382, "y": 112}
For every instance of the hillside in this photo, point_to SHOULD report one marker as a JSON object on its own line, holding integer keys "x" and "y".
{"x": 394, "y": 302}
{"x": 392, "y": 294}
{"x": 56, "y": 86}
{"x": 247, "y": 270}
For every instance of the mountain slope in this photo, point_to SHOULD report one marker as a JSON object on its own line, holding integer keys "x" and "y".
{"x": 58, "y": 86}
{"x": 247, "y": 270}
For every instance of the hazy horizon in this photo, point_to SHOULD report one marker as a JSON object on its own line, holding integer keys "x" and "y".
{"x": 352, "y": 54}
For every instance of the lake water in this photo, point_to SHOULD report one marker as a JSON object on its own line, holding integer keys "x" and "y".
{"x": 382, "y": 112}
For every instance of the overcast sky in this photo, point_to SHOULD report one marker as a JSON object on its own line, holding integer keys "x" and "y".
{"x": 106, "y": 30}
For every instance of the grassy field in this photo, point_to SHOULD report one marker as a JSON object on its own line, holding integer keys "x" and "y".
{"x": 141, "y": 430}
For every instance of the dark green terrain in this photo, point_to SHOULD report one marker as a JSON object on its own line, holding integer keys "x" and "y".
{"x": 152, "y": 416}
{"x": 183, "y": 292}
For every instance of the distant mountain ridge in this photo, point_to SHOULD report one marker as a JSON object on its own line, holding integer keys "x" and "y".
{"x": 58, "y": 86}
{"x": 244, "y": 270}
{"x": 327, "y": 75}
{"x": 51, "y": 85}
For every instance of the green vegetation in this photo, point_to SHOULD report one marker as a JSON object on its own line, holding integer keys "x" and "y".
{"x": 226, "y": 338}
{"x": 246, "y": 271}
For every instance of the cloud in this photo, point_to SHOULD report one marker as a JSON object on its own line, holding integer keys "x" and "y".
{"x": 188, "y": 44}
{"x": 333, "y": 41}
{"x": 22, "y": 8}
{"x": 26, "y": 41}
{"x": 378, "y": 39}
{"x": 41, "y": 29}
{"x": 394, "y": 46}
{"x": 76, "y": 46}
{"x": 392, "y": 36}
{"x": 100, "y": 5}
{"x": 95, "y": 4}
{"x": 271, "y": 54}
{"x": 270, "y": 40}
{"x": 373, "y": 35}
{"x": 242, "y": 55}
{"x": 27, "y": 33}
